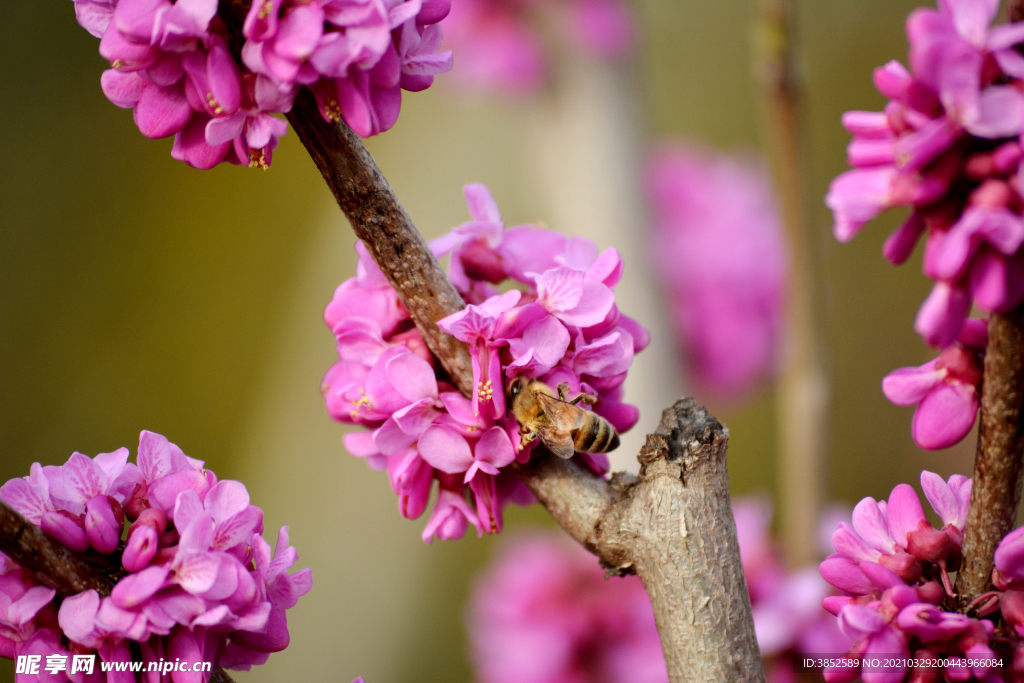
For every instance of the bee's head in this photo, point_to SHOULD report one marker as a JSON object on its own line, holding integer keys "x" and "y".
{"x": 515, "y": 387}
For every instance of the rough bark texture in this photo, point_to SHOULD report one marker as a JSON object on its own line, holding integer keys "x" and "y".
{"x": 673, "y": 527}
{"x": 998, "y": 465}
{"x": 63, "y": 570}
{"x": 377, "y": 217}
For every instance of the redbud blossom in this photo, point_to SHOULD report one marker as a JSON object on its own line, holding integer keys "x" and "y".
{"x": 947, "y": 146}
{"x": 171, "y": 65}
{"x": 917, "y": 617}
{"x": 947, "y": 389}
{"x": 201, "y": 583}
{"x": 559, "y": 324}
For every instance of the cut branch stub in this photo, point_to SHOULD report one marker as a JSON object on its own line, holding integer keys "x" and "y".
{"x": 673, "y": 526}
{"x": 998, "y": 466}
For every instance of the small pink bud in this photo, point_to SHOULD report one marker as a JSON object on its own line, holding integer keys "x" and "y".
{"x": 136, "y": 502}
{"x": 152, "y": 517}
{"x": 905, "y": 566}
{"x": 140, "y": 549}
{"x": 1006, "y": 157}
{"x": 931, "y": 592}
{"x": 101, "y": 525}
{"x": 833, "y": 604}
{"x": 928, "y": 544}
{"x": 480, "y": 262}
{"x": 65, "y": 530}
{"x": 992, "y": 193}
{"x": 925, "y": 673}
{"x": 980, "y": 166}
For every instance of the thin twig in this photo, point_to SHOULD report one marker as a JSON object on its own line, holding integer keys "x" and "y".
{"x": 802, "y": 392}
{"x": 998, "y": 466}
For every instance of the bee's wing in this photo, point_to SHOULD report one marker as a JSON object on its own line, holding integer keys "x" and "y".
{"x": 558, "y": 442}
{"x": 563, "y": 418}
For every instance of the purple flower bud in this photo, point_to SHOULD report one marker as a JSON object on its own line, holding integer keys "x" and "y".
{"x": 152, "y": 517}
{"x": 66, "y": 530}
{"x": 928, "y": 544}
{"x": 136, "y": 502}
{"x": 903, "y": 565}
{"x": 101, "y": 525}
{"x": 140, "y": 549}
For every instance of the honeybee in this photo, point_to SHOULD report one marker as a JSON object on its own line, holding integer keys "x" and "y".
{"x": 560, "y": 423}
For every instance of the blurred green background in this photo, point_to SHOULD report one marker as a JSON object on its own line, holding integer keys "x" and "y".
{"x": 140, "y": 294}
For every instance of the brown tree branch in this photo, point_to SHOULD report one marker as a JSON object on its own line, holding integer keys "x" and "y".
{"x": 995, "y": 493}
{"x": 998, "y": 466}
{"x": 65, "y": 571}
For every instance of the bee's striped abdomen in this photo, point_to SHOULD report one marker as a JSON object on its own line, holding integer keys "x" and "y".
{"x": 595, "y": 436}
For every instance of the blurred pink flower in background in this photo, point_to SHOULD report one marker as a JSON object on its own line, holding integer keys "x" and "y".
{"x": 502, "y": 45}
{"x": 544, "y": 613}
{"x": 721, "y": 257}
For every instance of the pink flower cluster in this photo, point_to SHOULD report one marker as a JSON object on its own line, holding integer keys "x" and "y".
{"x": 558, "y": 323}
{"x": 502, "y": 47}
{"x": 726, "y": 304}
{"x": 544, "y": 613}
{"x": 948, "y": 145}
{"x": 893, "y": 568}
{"x": 199, "y": 582}
{"x": 171, "y": 64}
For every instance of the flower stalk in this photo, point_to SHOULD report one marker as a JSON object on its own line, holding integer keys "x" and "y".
{"x": 802, "y": 390}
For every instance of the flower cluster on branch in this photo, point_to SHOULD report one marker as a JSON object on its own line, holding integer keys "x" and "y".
{"x": 556, "y": 321}
{"x": 948, "y": 146}
{"x": 196, "y": 579}
{"x": 894, "y": 567}
{"x": 171, "y": 64}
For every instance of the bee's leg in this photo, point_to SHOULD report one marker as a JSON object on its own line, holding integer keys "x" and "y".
{"x": 526, "y": 436}
{"x": 587, "y": 399}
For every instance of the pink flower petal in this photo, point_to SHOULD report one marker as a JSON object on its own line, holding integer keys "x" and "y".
{"x": 945, "y": 416}
{"x": 445, "y": 449}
